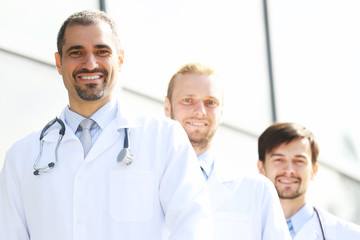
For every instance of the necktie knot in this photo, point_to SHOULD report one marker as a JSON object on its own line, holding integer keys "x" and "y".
{"x": 85, "y": 137}
{"x": 86, "y": 124}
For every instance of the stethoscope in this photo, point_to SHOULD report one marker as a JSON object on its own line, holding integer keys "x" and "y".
{"x": 320, "y": 222}
{"x": 124, "y": 157}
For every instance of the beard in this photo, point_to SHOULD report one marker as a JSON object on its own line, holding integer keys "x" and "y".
{"x": 91, "y": 92}
{"x": 288, "y": 193}
{"x": 197, "y": 138}
{"x": 201, "y": 139}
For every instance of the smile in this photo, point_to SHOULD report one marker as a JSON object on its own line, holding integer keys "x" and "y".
{"x": 288, "y": 180}
{"x": 197, "y": 123}
{"x": 90, "y": 77}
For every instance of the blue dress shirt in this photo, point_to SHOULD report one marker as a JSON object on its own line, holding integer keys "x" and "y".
{"x": 206, "y": 161}
{"x": 102, "y": 118}
{"x": 299, "y": 219}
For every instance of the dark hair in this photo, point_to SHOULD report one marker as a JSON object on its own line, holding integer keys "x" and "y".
{"x": 86, "y": 17}
{"x": 279, "y": 133}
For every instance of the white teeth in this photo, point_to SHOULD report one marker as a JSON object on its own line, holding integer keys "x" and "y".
{"x": 90, "y": 77}
{"x": 285, "y": 181}
{"x": 197, "y": 124}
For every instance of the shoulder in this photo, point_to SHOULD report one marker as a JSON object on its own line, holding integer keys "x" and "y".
{"x": 255, "y": 180}
{"x": 153, "y": 122}
{"x": 341, "y": 228}
{"x": 160, "y": 128}
{"x": 25, "y": 142}
{"x": 254, "y": 184}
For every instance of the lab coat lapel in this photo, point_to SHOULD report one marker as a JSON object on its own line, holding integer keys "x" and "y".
{"x": 329, "y": 225}
{"x": 111, "y": 133}
{"x": 219, "y": 193}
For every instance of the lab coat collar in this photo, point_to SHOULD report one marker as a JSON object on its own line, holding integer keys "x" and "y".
{"x": 121, "y": 121}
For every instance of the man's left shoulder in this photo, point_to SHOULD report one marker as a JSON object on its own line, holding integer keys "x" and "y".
{"x": 250, "y": 183}
{"x": 341, "y": 226}
{"x": 156, "y": 122}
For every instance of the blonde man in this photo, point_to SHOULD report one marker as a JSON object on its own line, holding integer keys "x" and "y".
{"x": 246, "y": 208}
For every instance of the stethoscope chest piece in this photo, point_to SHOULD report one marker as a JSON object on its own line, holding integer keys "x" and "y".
{"x": 124, "y": 158}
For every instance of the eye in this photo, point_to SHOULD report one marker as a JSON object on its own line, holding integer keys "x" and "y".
{"x": 103, "y": 52}
{"x": 75, "y": 53}
{"x": 277, "y": 160}
{"x": 212, "y": 103}
{"x": 187, "y": 100}
{"x": 300, "y": 161}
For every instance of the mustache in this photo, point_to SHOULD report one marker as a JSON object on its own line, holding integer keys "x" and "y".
{"x": 95, "y": 70}
{"x": 283, "y": 175}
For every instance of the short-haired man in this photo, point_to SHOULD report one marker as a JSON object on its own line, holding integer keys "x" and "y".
{"x": 288, "y": 155}
{"x": 247, "y": 208}
{"x": 89, "y": 185}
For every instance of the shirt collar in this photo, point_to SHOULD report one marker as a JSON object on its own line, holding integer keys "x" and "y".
{"x": 301, "y": 217}
{"x": 206, "y": 161}
{"x": 102, "y": 117}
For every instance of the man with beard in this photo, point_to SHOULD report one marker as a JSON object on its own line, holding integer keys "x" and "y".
{"x": 288, "y": 155}
{"x": 88, "y": 183}
{"x": 245, "y": 208}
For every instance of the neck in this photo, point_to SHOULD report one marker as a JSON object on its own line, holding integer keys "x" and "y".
{"x": 199, "y": 149}
{"x": 87, "y": 108}
{"x": 292, "y": 206}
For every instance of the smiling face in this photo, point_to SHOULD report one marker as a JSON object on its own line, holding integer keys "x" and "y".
{"x": 89, "y": 64}
{"x": 197, "y": 103}
{"x": 290, "y": 168}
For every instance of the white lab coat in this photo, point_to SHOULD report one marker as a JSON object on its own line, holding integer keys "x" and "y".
{"x": 334, "y": 228}
{"x": 246, "y": 208}
{"x": 161, "y": 195}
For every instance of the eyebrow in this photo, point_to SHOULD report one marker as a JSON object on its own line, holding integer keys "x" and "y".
{"x": 79, "y": 47}
{"x": 281, "y": 155}
{"x": 194, "y": 96}
{"x": 76, "y": 47}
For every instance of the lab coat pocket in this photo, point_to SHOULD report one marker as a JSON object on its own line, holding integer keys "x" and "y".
{"x": 231, "y": 226}
{"x": 131, "y": 195}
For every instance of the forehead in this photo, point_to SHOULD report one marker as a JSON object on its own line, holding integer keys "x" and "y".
{"x": 200, "y": 85}
{"x": 93, "y": 34}
{"x": 293, "y": 148}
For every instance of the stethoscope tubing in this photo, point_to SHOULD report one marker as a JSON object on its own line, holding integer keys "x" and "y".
{"x": 320, "y": 222}
{"x": 124, "y": 157}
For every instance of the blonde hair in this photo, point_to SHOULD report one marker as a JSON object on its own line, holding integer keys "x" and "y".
{"x": 194, "y": 68}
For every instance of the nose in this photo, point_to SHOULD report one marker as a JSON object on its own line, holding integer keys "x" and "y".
{"x": 89, "y": 61}
{"x": 289, "y": 168}
{"x": 200, "y": 109}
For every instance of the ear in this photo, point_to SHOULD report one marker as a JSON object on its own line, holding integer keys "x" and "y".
{"x": 315, "y": 168}
{"x": 58, "y": 62}
{"x": 121, "y": 59}
{"x": 260, "y": 165}
{"x": 167, "y": 107}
